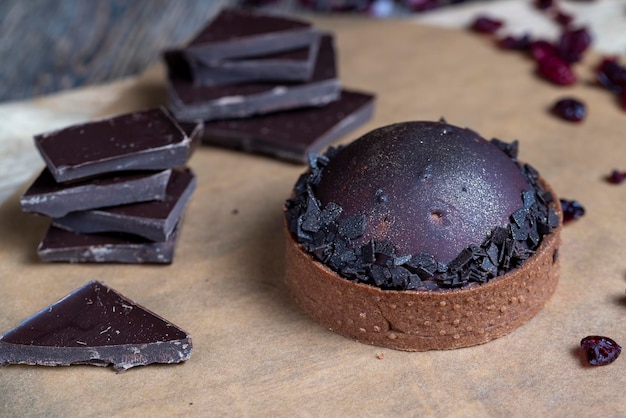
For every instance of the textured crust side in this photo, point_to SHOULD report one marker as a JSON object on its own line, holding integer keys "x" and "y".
{"x": 423, "y": 320}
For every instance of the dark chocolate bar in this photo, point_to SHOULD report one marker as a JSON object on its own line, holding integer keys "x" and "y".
{"x": 194, "y": 132}
{"x": 237, "y": 33}
{"x": 152, "y": 220}
{"x": 291, "y": 135}
{"x": 146, "y": 140}
{"x": 190, "y": 102}
{"x": 47, "y": 197}
{"x": 60, "y": 245}
{"x": 98, "y": 326}
{"x": 295, "y": 65}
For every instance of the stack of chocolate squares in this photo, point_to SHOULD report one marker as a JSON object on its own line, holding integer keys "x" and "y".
{"x": 115, "y": 188}
{"x": 264, "y": 84}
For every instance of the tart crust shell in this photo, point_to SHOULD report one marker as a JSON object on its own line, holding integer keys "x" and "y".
{"x": 424, "y": 320}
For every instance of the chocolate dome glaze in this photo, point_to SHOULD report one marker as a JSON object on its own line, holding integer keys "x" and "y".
{"x": 362, "y": 250}
{"x": 425, "y": 187}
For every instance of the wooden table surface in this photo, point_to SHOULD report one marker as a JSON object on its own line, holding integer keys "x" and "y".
{"x": 255, "y": 353}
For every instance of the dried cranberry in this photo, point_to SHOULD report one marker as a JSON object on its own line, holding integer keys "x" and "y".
{"x": 611, "y": 75}
{"x": 422, "y": 5}
{"x": 572, "y": 210}
{"x": 569, "y": 109}
{"x": 616, "y": 177}
{"x": 337, "y": 5}
{"x": 573, "y": 43}
{"x": 511, "y": 42}
{"x": 484, "y": 24}
{"x": 600, "y": 350}
{"x": 541, "y": 50}
{"x": 563, "y": 19}
{"x": 544, "y": 4}
{"x": 556, "y": 70}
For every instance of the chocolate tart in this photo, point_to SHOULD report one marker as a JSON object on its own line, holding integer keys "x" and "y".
{"x": 395, "y": 298}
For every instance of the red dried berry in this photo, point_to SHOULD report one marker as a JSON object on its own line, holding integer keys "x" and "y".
{"x": 541, "y": 50}
{"x": 563, "y": 18}
{"x": 616, "y": 177}
{"x": 557, "y": 71}
{"x": 544, "y": 4}
{"x": 573, "y": 43}
{"x": 600, "y": 350}
{"x": 611, "y": 75}
{"x": 512, "y": 42}
{"x": 484, "y": 24}
{"x": 570, "y": 109}
{"x": 572, "y": 210}
{"x": 422, "y": 5}
{"x": 337, "y": 5}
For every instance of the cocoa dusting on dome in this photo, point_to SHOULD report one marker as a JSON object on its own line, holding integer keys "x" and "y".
{"x": 420, "y": 205}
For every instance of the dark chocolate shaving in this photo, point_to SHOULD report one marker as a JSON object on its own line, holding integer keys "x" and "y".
{"x": 380, "y": 263}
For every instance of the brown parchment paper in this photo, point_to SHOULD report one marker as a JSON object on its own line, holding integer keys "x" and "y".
{"x": 255, "y": 354}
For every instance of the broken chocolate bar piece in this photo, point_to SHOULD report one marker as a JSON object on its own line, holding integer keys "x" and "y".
{"x": 98, "y": 326}
{"x": 291, "y": 135}
{"x": 60, "y": 245}
{"x": 47, "y": 197}
{"x": 145, "y": 140}
{"x": 295, "y": 65}
{"x": 152, "y": 220}
{"x": 236, "y": 33}
{"x": 190, "y": 102}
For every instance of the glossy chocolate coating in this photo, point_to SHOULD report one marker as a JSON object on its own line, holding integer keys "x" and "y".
{"x": 47, "y": 197}
{"x": 232, "y": 24}
{"x": 426, "y": 187}
{"x": 154, "y": 220}
{"x": 292, "y": 134}
{"x": 144, "y": 140}
{"x": 60, "y": 245}
{"x": 294, "y": 65}
{"x": 236, "y": 33}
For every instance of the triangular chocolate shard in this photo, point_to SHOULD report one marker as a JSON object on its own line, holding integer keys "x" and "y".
{"x": 98, "y": 326}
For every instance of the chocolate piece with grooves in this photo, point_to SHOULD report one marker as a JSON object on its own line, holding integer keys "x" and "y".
{"x": 47, "y": 197}
{"x": 98, "y": 326}
{"x": 235, "y": 33}
{"x": 292, "y": 134}
{"x": 145, "y": 140}
{"x": 60, "y": 245}
{"x": 153, "y": 220}
{"x": 190, "y": 102}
